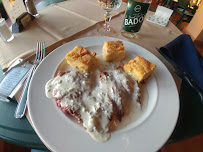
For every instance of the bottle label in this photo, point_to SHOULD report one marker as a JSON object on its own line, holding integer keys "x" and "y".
{"x": 134, "y": 16}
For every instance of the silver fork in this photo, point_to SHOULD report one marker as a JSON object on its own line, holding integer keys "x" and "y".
{"x": 40, "y": 54}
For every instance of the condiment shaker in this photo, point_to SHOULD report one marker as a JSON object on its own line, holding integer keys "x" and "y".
{"x": 5, "y": 32}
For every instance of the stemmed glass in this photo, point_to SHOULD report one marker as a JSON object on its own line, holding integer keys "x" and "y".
{"x": 108, "y": 6}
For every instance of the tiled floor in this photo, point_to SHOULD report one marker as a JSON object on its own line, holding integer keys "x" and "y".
{"x": 194, "y": 144}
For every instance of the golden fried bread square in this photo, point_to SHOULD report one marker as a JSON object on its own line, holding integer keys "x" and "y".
{"x": 139, "y": 68}
{"x": 113, "y": 51}
{"x": 81, "y": 58}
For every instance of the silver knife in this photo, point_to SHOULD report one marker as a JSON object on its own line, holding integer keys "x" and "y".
{"x": 20, "y": 110}
{"x": 14, "y": 64}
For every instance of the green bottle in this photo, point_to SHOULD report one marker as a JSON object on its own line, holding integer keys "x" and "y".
{"x": 134, "y": 17}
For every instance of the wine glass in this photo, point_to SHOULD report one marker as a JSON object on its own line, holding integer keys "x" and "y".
{"x": 108, "y": 6}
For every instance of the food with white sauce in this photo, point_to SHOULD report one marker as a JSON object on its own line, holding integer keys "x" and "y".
{"x": 96, "y": 99}
{"x": 100, "y": 98}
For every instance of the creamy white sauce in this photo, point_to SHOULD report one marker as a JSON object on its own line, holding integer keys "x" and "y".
{"x": 99, "y": 98}
{"x": 136, "y": 110}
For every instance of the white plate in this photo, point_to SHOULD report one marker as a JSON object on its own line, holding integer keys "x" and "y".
{"x": 147, "y": 134}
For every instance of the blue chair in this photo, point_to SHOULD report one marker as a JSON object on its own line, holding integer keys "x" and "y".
{"x": 55, "y": 1}
{"x": 43, "y": 4}
{"x": 46, "y": 3}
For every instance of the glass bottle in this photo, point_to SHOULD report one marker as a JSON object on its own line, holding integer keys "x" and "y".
{"x": 31, "y": 7}
{"x": 134, "y": 17}
{"x": 5, "y": 32}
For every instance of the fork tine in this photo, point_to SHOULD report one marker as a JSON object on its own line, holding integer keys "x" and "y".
{"x": 40, "y": 52}
{"x": 42, "y": 49}
{"x": 37, "y": 50}
{"x": 44, "y": 52}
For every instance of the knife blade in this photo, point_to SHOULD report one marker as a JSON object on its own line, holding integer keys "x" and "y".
{"x": 14, "y": 64}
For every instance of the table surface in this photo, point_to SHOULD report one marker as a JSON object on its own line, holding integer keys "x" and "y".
{"x": 20, "y": 131}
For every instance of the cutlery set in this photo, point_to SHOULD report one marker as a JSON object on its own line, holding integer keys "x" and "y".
{"x": 40, "y": 55}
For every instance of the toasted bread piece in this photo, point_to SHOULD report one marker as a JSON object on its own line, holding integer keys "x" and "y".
{"x": 113, "y": 51}
{"x": 81, "y": 58}
{"x": 139, "y": 68}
